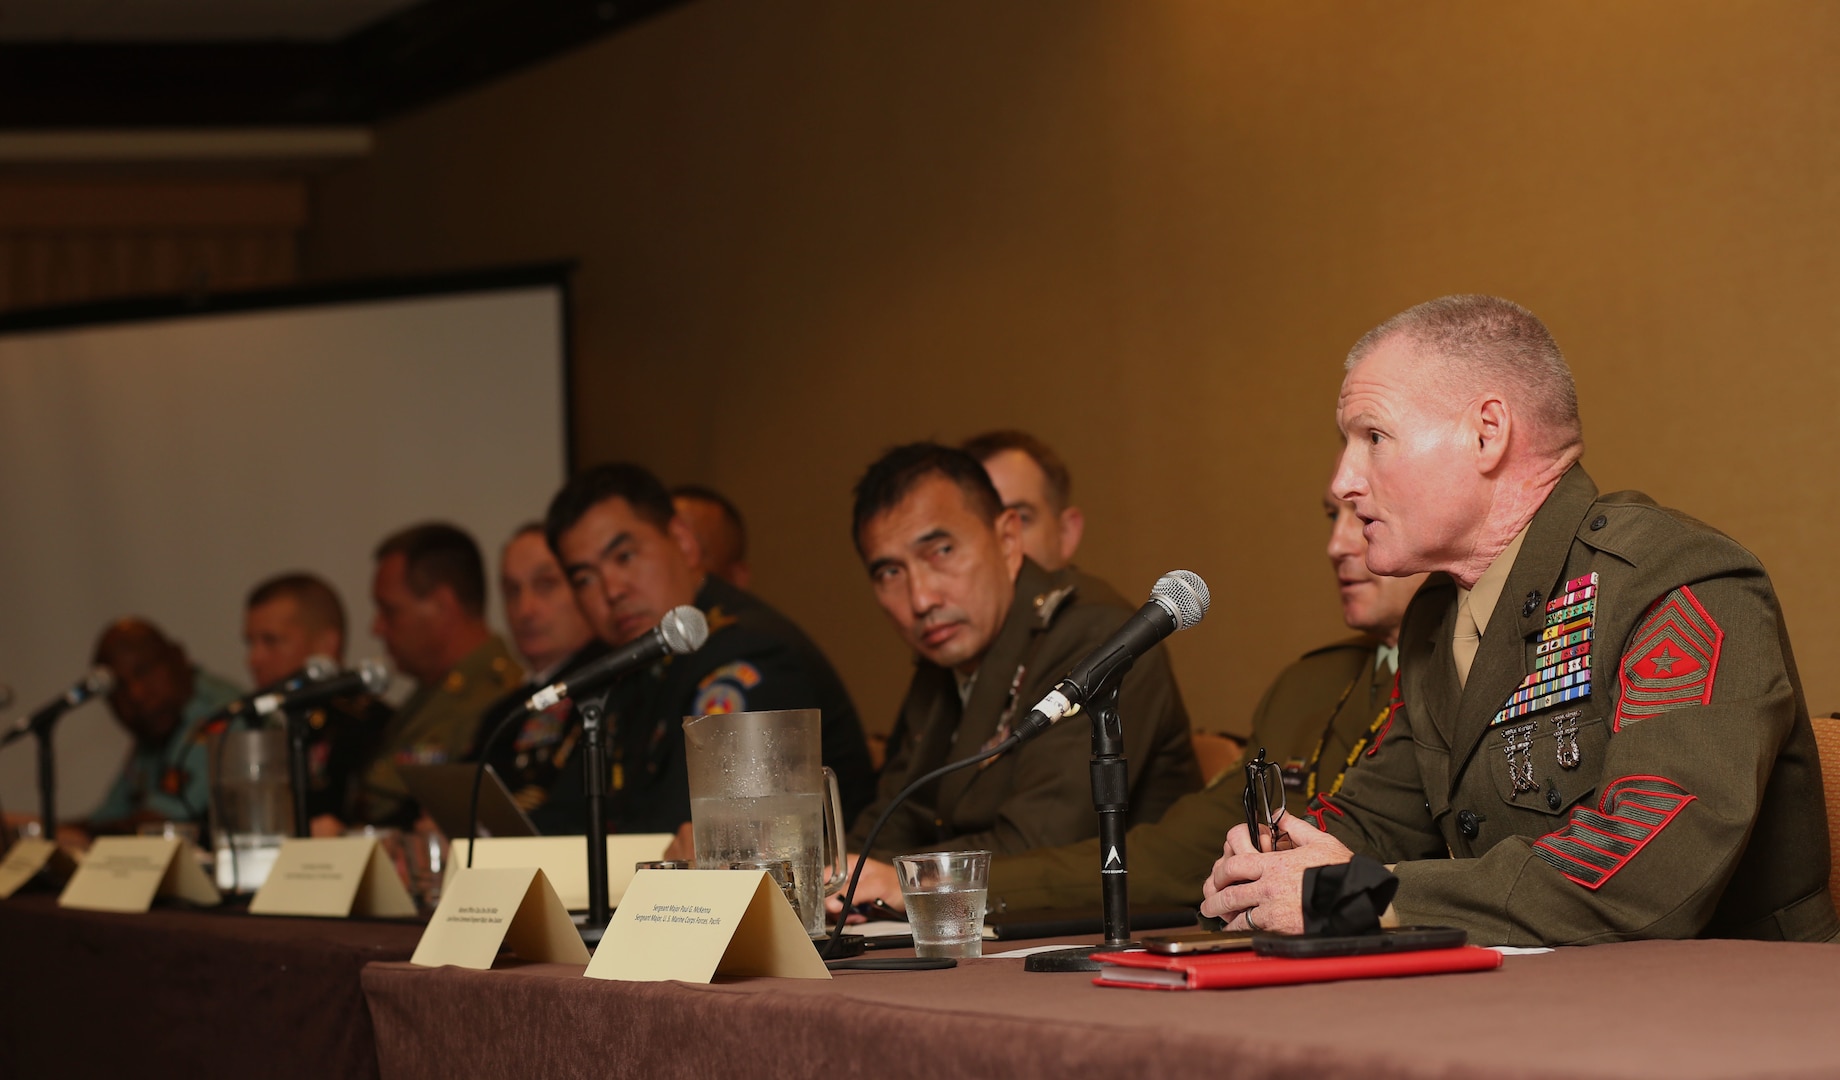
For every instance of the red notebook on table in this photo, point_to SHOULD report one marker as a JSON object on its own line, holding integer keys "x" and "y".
{"x": 1217, "y": 971}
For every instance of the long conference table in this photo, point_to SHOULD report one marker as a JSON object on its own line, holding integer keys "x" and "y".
{"x": 201, "y": 993}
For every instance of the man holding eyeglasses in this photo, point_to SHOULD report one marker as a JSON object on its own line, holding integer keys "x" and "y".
{"x": 1601, "y": 735}
{"x": 1314, "y": 723}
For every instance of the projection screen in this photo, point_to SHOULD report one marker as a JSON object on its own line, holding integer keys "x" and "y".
{"x": 162, "y": 467}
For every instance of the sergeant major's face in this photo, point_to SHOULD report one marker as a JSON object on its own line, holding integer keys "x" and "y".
{"x": 943, "y": 574}
{"x": 626, "y": 571}
{"x": 1370, "y": 603}
{"x": 1408, "y": 464}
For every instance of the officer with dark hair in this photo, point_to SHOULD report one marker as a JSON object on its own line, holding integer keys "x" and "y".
{"x": 630, "y": 559}
{"x": 430, "y": 595}
{"x": 992, "y": 633}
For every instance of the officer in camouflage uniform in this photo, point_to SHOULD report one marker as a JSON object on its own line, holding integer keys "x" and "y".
{"x": 1317, "y": 720}
{"x": 994, "y": 632}
{"x": 429, "y": 590}
{"x": 1601, "y": 732}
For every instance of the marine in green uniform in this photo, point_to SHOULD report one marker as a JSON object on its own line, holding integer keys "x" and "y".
{"x": 993, "y": 633}
{"x": 429, "y": 591}
{"x": 1602, "y": 735}
{"x": 435, "y": 725}
{"x": 1317, "y": 719}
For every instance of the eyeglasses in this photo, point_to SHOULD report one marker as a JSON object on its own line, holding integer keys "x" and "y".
{"x": 1264, "y": 801}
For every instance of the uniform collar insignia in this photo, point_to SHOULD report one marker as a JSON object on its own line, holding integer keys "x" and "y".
{"x": 1049, "y": 603}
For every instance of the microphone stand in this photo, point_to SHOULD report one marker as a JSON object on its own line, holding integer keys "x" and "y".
{"x": 297, "y": 770}
{"x": 1111, "y": 786}
{"x": 594, "y": 761}
{"x": 47, "y": 783}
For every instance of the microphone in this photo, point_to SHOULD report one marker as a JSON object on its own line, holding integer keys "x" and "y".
{"x": 1179, "y": 601}
{"x": 317, "y": 668}
{"x": 6, "y": 695}
{"x": 369, "y": 675}
{"x": 98, "y": 682}
{"x": 682, "y": 630}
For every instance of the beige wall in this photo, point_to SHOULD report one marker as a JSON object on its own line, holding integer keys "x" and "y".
{"x": 1149, "y": 231}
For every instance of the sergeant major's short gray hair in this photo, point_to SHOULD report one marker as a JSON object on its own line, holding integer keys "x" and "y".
{"x": 1487, "y": 343}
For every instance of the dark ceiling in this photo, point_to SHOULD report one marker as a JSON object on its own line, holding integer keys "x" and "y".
{"x": 410, "y": 56}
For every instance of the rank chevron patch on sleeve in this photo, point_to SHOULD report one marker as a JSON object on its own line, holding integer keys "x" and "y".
{"x": 1595, "y": 844}
{"x": 1671, "y": 661}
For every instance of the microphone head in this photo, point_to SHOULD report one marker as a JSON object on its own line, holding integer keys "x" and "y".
{"x": 6, "y": 695}
{"x": 1184, "y": 595}
{"x": 375, "y": 675}
{"x": 100, "y": 682}
{"x": 319, "y": 668}
{"x": 684, "y": 629}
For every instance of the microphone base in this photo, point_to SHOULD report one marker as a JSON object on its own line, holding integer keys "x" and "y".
{"x": 591, "y": 935}
{"x": 1078, "y": 958}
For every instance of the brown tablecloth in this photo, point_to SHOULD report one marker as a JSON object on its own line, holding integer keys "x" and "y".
{"x": 1646, "y": 1009}
{"x": 186, "y": 993}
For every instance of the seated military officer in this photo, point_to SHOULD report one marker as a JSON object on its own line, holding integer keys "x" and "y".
{"x": 1601, "y": 734}
{"x": 429, "y": 589}
{"x": 630, "y": 559}
{"x": 162, "y": 699}
{"x": 1033, "y": 481}
{"x": 1316, "y": 719}
{"x": 286, "y": 620}
{"x": 554, "y": 640}
{"x": 992, "y": 633}
{"x": 720, "y": 531}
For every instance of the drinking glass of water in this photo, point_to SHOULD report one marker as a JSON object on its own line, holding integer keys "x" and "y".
{"x": 945, "y": 893}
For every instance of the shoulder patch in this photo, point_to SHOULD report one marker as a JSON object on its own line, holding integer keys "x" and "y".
{"x": 719, "y": 699}
{"x": 741, "y": 673}
{"x": 1671, "y": 660}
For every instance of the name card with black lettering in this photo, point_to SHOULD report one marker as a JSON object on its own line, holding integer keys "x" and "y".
{"x": 125, "y": 873}
{"x": 335, "y": 877}
{"x": 482, "y": 910}
{"x": 564, "y": 860}
{"x": 27, "y": 856}
{"x": 692, "y": 925}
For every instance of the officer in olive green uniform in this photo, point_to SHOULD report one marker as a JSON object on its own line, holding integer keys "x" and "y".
{"x": 1040, "y": 794}
{"x": 437, "y": 724}
{"x": 1316, "y": 720}
{"x": 1629, "y": 757}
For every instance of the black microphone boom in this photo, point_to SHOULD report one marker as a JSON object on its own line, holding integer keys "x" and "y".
{"x": 682, "y": 630}
{"x": 1179, "y": 601}
{"x": 369, "y": 675}
{"x": 316, "y": 669}
{"x": 98, "y": 682}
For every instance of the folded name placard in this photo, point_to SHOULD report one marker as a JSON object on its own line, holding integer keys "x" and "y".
{"x": 334, "y": 877}
{"x": 693, "y": 925}
{"x": 29, "y": 855}
{"x": 564, "y": 860}
{"x": 484, "y": 909}
{"x": 125, "y": 873}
